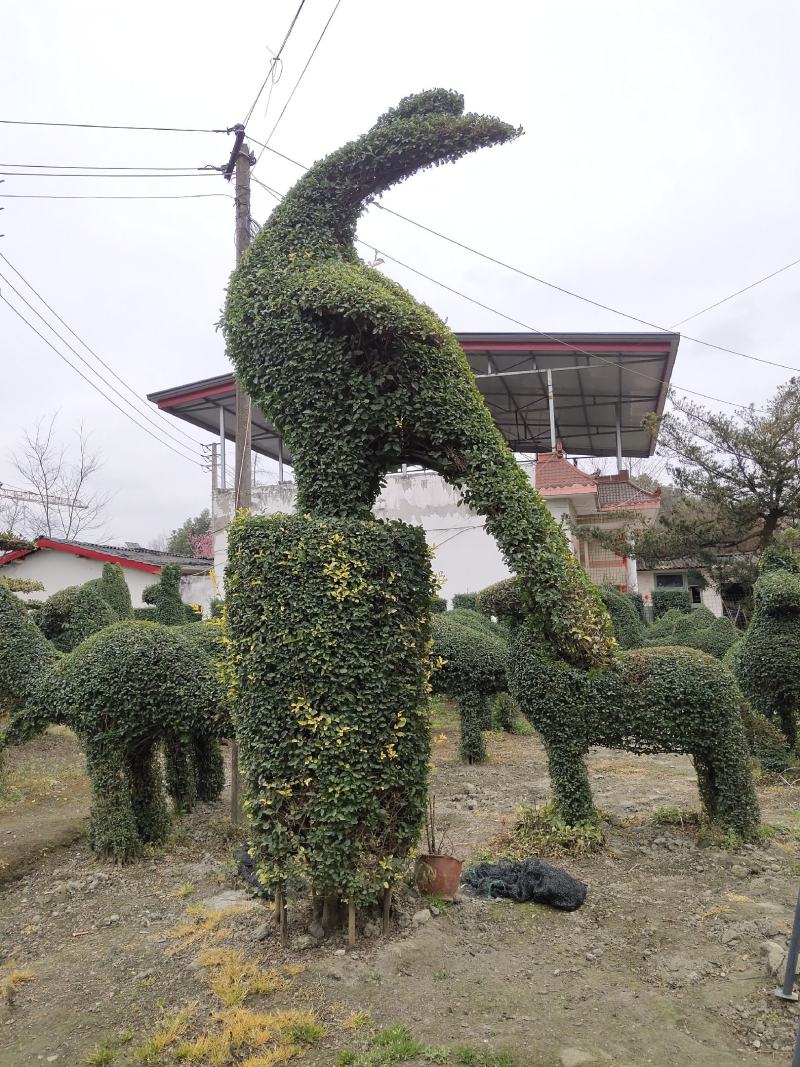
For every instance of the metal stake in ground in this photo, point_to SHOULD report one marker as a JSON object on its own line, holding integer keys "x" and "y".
{"x": 786, "y": 991}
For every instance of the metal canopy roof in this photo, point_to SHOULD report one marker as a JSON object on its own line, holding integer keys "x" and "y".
{"x": 595, "y": 376}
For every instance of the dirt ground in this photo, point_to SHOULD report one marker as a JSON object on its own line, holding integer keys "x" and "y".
{"x": 665, "y": 963}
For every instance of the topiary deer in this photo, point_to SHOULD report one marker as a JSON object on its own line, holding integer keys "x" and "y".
{"x": 125, "y": 691}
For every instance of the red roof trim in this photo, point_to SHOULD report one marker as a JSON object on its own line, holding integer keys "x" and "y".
{"x": 554, "y": 346}
{"x": 89, "y": 553}
{"x": 18, "y": 553}
{"x": 226, "y": 389}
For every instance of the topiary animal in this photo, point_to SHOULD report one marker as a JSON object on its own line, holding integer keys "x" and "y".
{"x": 348, "y": 366}
{"x": 124, "y": 691}
{"x": 470, "y": 666}
{"x": 71, "y": 615}
{"x": 767, "y": 660}
{"x": 165, "y": 597}
{"x": 628, "y": 628}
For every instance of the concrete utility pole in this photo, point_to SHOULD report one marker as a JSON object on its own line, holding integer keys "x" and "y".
{"x": 239, "y": 165}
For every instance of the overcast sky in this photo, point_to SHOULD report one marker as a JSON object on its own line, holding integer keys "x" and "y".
{"x": 659, "y": 172}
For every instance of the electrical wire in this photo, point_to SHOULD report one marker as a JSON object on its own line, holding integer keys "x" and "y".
{"x": 738, "y": 292}
{"x": 526, "y": 326}
{"x": 197, "y": 173}
{"x": 273, "y": 62}
{"x": 94, "y": 386}
{"x": 97, "y": 166}
{"x": 89, "y": 349}
{"x": 103, "y": 126}
{"x": 300, "y": 78}
{"x": 112, "y": 196}
{"x": 579, "y": 296}
{"x": 145, "y": 415}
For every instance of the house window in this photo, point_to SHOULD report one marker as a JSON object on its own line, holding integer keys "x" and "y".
{"x": 670, "y": 581}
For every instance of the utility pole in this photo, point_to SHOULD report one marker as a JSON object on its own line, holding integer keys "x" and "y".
{"x": 239, "y": 166}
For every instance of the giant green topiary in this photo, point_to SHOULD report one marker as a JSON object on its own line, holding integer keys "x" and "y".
{"x": 124, "y": 691}
{"x": 470, "y": 662}
{"x": 114, "y": 589}
{"x": 767, "y": 660}
{"x": 360, "y": 378}
{"x": 665, "y": 600}
{"x": 332, "y": 617}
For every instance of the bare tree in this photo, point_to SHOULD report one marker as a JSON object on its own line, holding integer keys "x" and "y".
{"x": 13, "y": 515}
{"x": 63, "y": 501}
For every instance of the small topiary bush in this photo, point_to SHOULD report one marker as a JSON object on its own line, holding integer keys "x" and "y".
{"x": 71, "y": 615}
{"x": 470, "y": 662}
{"x": 665, "y": 600}
{"x": 638, "y": 602}
{"x": 469, "y": 601}
{"x": 505, "y": 712}
{"x": 25, "y": 653}
{"x": 765, "y": 740}
{"x": 438, "y": 605}
{"x": 329, "y": 628}
{"x": 700, "y": 629}
{"x": 767, "y": 660}
{"x": 114, "y": 589}
{"x": 628, "y": 628}
{"x": 165, "y": 598}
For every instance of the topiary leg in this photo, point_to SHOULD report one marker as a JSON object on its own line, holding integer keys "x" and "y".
{"x": 706, "y": 784}
{"x": 571, "y": 790}
{"x": 112, "y": 825}
{"x": 209, "y": 768}
{"x": 472, "y": 709}
{"x": 735, "y": 804}
{"x": 181, "y": 778}
{"x": 147, "y": 794}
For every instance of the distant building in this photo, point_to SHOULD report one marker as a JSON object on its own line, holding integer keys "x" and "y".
{"x": 586, "y": 395}
{"x": 60, "y": 563}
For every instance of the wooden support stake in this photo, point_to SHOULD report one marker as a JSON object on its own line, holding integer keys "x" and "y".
{"x": 284, "y": 920}
{"x": 351, "y": 923}
{"x": 387, "y": 910}
{"x": 278, "y": 904}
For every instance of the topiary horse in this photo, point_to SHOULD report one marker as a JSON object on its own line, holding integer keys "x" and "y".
{"x": 767, "y": 660}
{"x": 648, "y": 700}
{"x": 124, "y": 691}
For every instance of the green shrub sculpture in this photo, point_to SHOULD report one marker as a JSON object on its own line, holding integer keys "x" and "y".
{"x": 699, "y": 629}
{"x": 665, "y": 600}
{"x": 628, "y": 628}
{"x": 465, "y": 600}
{"x": 767, "y": 660}
{"x": 438, "y": 605}
{"x": 165, "y": 598}
{"x": 470, "y": 662}
{"x": 114, "y": 589}
{"x": 648, "y": 700}
{"x": 351, "y": 368}
{"x": 124, "y": 691}
{"x": 71, "y": 615}
{"x": 332, "y": 616}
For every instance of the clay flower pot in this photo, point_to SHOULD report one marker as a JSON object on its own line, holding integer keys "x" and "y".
{"x": 438, "y": 875}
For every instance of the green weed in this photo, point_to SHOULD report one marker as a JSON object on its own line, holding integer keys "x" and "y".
{"x": 676, "y": 817}
{"x": 540, "y": 831}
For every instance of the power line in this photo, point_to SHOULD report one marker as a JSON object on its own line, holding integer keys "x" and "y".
{"x": 579, "y": 296}
{"x": 88, "y": 348}
{"x": 197, "y": 173}
{"x": 87, "y": 364}
{"x": 738, "y": 292}
{"x": 103, "y": 126}
{"x": 524, "y": 325}
{"x": 300, "y": 78}
{"x": 97, "y": 166}
{"x": 77, "y": 370}
{"x": 273, "y": 62}
{"x": 111, "y": 196}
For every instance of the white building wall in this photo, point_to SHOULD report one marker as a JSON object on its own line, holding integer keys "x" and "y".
{"x": 466, "y": 558}
{"x": 57, "y": 570}
{"x": 709, "y": 597}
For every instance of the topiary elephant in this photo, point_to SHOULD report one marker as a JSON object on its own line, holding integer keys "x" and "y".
{"x": 767, "y": 659}
{"x": 125, "y": 691}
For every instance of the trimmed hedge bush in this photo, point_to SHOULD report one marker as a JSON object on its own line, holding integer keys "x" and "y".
{"x": 470, "y": 666}
{"x": 438, "y": 605}
{"x": 765, "y": 741}
{"x": 700, "y": 629}
{"x": 351, "y": 368}
{"x": 114, "y": 589}
{"x": 329, "y": 629}
{"x": 665, "y": 600}
{"x": 71, "y": 615}
{"x": 465, "y": 600}
{"x": 124, "y": 691}
{"x": 767, "y": 660}
{"x": 638, "y": 602}
{"x": 628, "y": 628}
{"x": 165, "y": 598}
{"x": 650, "y": 700}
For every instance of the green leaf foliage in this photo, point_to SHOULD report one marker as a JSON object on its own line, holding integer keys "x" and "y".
{"x": 25, "y": 653}
{"x": 165, "y": 598}
{"x": 469, "y": 656}
{"x": 767, "y": 660}
{"x": 628, "y": 627}
{"x": 649, "y": 700}
{"x": 465, "y": 600}
{"x": 71, "y": 615}
{"x": 351, "y": 368}
{"x": 665, "y": 600}
{"x": 329, "y": 639}
{"x": 112, "y": 587}
{"x": 21, "y": 585}
{"x": 699, "y": 629}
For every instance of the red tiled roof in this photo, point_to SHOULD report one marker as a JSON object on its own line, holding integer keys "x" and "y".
{"x": 556, "y": 476}
{"x": 616, "y": 491}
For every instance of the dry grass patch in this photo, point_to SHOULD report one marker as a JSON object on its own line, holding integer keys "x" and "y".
{"x": 10, "y": 981}
{"x": 50, "y": 767}
{"x": 233, "y": 978}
